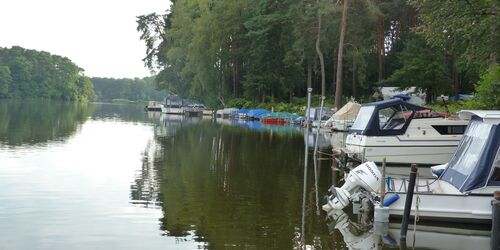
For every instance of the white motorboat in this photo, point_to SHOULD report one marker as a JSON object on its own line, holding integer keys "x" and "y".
{"x": 463, "y": 192}
{"x": 172, "y": 109}
{"x": 403, "y": 133}
{"x": 173, "y": 105}
{"x": 224, "y": 113}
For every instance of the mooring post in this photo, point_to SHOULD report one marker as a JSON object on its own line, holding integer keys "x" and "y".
{"x": 306, "y": 153}
{"x": 495, "y": 221}
{"x": 382, "y": 183}
{"x": 409, "y": 199}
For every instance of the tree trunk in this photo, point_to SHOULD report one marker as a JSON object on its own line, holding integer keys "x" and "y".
{"x": 334, "y": 68}
{"x": 320, "y": 54}
{"x": 380, "y": 47}
{"x": 236, "y": 80}
{"x": 452, "y": 67}
{"x": 338, "y": 89}
{"x": 309, "y": 74}
{"x": 353, "y": 77}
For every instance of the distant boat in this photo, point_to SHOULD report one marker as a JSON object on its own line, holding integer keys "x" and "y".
{"x": 224, "y": 113}
{"x": 173, "y": 105}
{"x": 278, "y": 118}
{"x": 153, "y": 106}
{"x": 403, "y": 133}
{"x": 197, "y": 110}
{"x": 314, "y": 114}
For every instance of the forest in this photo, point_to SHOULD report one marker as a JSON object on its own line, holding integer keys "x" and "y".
{"x": 26, "y": 73}
{"x": 137, "y": 89}
{"x": 271, "y": 51}
{"x": 30, "y": 74}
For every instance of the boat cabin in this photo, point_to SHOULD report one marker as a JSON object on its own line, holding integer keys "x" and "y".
{"x": 476, "y": 162}
{"x": 173, "y": 101}
{"x": 392, "y": 117}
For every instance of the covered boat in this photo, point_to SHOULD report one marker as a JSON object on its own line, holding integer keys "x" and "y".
{"x": 256, "y": 114}
{"x": 224, "y": 113}
{"x": 278, "y": 118}
{"x": 343, "y": 119}
{"x": 403, "y": 133}
{"x": 314, "y": 115}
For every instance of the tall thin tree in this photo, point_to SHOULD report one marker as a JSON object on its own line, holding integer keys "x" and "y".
{"x": 320, "y": 54}
{"x": 338, "y": 89}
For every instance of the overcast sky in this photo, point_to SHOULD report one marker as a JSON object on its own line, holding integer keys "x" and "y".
{"x": 98, "y": 35}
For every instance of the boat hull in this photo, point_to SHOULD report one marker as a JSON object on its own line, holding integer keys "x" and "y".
{"x": 174, "y": 111}
{"x": 399, "y": 150}
{"x": 472, "y": 208}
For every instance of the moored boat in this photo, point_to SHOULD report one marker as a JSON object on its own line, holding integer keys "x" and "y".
{"x": 462, "y": 193}
{"x": 343, "y": 119}
{"x": 403, "y": 133}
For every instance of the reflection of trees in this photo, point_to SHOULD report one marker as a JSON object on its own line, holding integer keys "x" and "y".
{"x": 127, "y": 112}
{"x": 233, "y": 186}
{"x": 37, "y": 121}
{"x": 144, "y": 190}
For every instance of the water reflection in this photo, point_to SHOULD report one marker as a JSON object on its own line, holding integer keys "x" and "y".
{"x": 146, "y": 186}
{"x": 235, "y": 187}
{"x": 362, "y": 233}
{"x": 258, "y": 126}
{"x": 39, "y": 121}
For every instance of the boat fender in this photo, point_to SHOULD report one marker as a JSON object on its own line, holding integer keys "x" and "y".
{"x": 391, "y": 199}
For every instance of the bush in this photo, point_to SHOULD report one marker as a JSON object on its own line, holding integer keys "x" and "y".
{"x": 488, "y": 90}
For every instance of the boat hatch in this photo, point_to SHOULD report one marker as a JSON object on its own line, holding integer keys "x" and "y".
{"x": 475, "y": 163}
{"x": 390, "y": 117}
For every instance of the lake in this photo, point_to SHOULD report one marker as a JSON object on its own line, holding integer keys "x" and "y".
{"x": 111, "y": 176}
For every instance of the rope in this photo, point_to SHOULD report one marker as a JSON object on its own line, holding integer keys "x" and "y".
{"x": 427, "y": 185}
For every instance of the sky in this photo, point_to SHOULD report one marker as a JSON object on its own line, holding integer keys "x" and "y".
{"x": 99, "y": 36}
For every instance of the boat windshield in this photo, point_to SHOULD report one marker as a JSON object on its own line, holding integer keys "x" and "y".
{"x": 469, "y": 151}
{"x": 363, "y": 118}
{"x": 495, "y": 176}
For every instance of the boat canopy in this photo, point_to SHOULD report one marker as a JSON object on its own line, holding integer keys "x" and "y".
{"x": 476, "y": 162}
{"x": 257, "y": 113}
{"x": 348, "y": 112}
{"x": 389, "y": 117}
{"x": 284, "y": 115}
{"x": 326, "y": 113}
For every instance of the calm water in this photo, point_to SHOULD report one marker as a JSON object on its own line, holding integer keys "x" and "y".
{"x": 102, "y": 176}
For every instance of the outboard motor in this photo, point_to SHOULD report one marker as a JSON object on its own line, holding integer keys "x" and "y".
{"x": 356, "y": 235}
{"x": 365, "y": 176}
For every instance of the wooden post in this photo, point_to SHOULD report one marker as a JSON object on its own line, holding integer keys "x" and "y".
{"x": 409, "y": 198}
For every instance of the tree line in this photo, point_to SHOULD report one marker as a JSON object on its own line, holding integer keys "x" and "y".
{"x": 137, "y": 89}
{"x": 26, "y": 73}
{"x": 269, "y": 50}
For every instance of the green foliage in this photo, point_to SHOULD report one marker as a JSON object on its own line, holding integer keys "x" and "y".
{"x": 109, "y": 89}
{"x": 422, "y": 67}
{"x": 467, "y": 28}
{"x": 33, "y": 74}
{"x": 453, "y": 107}
{"x": 5, "y": 81}
{"x": 488, "y": 90}
{"x": 262, "y": 50}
